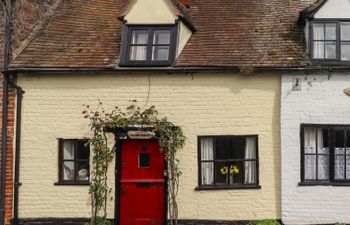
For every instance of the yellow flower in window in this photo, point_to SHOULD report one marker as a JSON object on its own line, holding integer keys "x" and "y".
{"x": 234, "y": 169}
{"x": 224, "y": 170}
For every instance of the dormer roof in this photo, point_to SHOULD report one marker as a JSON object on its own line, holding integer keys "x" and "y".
{"x": 312, "y": 9}
{"x": 178, "y": 8}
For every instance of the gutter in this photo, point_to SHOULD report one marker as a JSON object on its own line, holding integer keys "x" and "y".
{"x": 172, "y": 70}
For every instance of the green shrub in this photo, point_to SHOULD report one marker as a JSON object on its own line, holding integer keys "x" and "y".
{"x": 100, "y": 221}
{"x": 340, "y": 223}
{"x": 264, "y": 222}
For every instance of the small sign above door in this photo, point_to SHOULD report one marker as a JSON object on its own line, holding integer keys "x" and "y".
{"x": 141, "y": 134}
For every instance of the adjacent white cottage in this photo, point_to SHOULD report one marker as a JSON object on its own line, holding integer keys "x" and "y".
{"x": 315, "y": 122}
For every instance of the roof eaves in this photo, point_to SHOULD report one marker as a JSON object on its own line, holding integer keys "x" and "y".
{"x": 126, "y": 10}
{"x": 196, "y": 69}
{"x": 183, "y": 14}
{"x": 311, "y": 10}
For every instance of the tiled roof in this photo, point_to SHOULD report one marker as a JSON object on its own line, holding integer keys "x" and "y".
{"x": 229, "y": 33}
{"x": 27, "y": 14}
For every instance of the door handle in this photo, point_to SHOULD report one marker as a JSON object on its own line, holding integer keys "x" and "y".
{"x": 122, "y": 164}
{"x": 123, "y": 191}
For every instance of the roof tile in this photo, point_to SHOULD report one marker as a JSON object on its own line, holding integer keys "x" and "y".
{"x": 260, "y": 33}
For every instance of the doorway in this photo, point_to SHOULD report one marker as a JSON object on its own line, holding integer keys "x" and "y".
{"x": 141, "y": 197}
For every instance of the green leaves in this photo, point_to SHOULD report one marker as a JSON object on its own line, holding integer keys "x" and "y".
{"x": 265, "y": 222}
{"x": 171, "y": 139}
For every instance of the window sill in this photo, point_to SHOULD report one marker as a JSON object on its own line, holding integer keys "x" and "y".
{"x": 72, "y": 183}
{"x": 330, "y": 62}
{"x": 144, "y": 65}
{"x": 227, "y": 187}
{"x": 323, "y": 184}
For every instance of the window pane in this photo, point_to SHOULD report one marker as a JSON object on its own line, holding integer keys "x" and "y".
{"x": 68, "y": 150}
{"x": 322, "y": 141}
{"x": 325, "y": 135}
{"x": 310, "y": 167}
{"x": 207, "y": 148}
{"x": 221, "y": 172}
{"x": 83, "y": 171}
{"x": 160, "y": 53}
{"x": 323, "y": 167}
{"x": 68, "y": 171}
{"x": 331, "y": 31}
{"x": 161, "y": 37}
{"x": 345, "y": 51}
{"x": 347, "y": 167}
{"x": 318, "y": 50}
{"x": 207, "y": 173}
{"x": 318, "y": 31}
{"x": 83, "y": 151}
{"x": 144, "y": 160}
{"x": 139, "y": 37}
{"x": 339, "y": 151}
{"x": 347, "y": 139}
{"x": 250, "y": 148}
{"x": 310, "y": 139}
{"x": 345, "y": 31}
{"x": 230, "y": 147}
{"x": 339, "y": 167}
{"x": 223, "y": 147}
{"x": 138, "y": 53}
{"x": 339, "y": 139}
{"x": 250, "y": 172}
{"x": 238, "y": 148}
{"x": 331, "y": 50}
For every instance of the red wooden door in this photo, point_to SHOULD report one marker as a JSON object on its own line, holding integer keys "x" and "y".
{"x": 142, "y": 189}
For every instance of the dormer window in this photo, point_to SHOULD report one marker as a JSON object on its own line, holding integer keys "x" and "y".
{"x": 330, "y": 41}
{"x": 149, "y": 45}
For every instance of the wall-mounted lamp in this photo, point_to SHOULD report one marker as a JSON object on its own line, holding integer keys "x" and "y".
{"x": 347, "y": 91}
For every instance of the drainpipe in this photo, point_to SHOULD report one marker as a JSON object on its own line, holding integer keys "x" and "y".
{"x": 17, "y": 184}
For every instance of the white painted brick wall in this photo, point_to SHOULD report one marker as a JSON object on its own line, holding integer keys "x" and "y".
{"x": 321, "y": 101}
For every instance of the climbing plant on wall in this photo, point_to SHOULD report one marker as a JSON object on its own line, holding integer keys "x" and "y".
{"x": 170, "y": 137}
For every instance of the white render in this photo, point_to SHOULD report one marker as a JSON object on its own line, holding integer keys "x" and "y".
{"x": 320, "y": 101}
{"x": 334, "y": 9}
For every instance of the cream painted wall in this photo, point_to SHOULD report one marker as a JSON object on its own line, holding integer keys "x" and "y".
{"x": 202, "y": 104}
{"x": 184, "y": 36}
{"x": 150, "y": 12}
{"x": 334, "y": 9}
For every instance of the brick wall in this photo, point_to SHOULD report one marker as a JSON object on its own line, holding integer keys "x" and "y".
{"x": 10, "y": 155}
{"x": 320, "y": 101}
{"x": 202, "y": 104}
